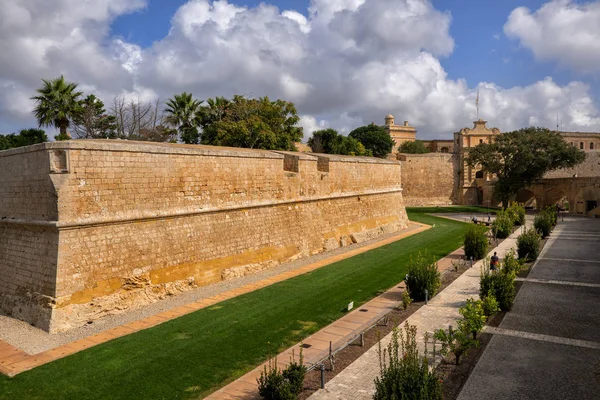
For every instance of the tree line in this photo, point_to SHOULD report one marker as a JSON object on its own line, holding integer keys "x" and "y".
{"x": 255, "y": 123}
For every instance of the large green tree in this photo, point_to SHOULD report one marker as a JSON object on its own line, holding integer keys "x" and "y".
{"x": 329, "y": 141}
{"x": 182, "y": 113}
{"x": 250, "y": 123}
{"x": 57, "y": 105}
{"x": 93, "y": 122}
{"x": 374, "y": 138}
{"x": 519, "y": 158}
{"x": 416, "y": 147}
{"x": 25, "y": 137}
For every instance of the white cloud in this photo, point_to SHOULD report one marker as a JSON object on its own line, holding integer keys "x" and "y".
{"x": 562, "y": 31}
{"x": 349, "y": 63}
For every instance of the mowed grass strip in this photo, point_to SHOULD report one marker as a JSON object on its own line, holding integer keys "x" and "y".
{"x": 194, "y": 355}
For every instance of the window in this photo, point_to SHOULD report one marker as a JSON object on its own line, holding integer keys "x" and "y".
{"x": 581, "y": 145}
{"x": 591, "y": 145}
{"x": 479, "y": 174}
{"x": 480, "y": 141}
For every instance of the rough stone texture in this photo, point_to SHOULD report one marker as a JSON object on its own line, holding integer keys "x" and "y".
{"x": 429, "y": 179}
{"x": 95, "y": 227}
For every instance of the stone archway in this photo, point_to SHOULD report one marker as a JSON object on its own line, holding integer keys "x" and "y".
{"x": 558, "y": 196}
{"x": 587, "y": 201}
{"x": 527, "y": 197}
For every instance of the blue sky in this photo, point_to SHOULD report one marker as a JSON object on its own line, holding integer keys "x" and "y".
{"x": 351, "y": 63}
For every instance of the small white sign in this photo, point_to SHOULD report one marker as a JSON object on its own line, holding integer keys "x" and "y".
{"x": 350, "y": 305}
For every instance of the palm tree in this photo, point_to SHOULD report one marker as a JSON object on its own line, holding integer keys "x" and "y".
{"x": 57, "y": 105}
{"x": 182, "y": 110}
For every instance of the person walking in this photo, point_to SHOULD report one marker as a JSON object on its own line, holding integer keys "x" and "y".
{"x": 494, "y": 261}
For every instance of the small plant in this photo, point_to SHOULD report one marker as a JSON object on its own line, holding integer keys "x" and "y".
{"x": 406, "y": 300}
{"x": 457, "y": 342}
{"x": 473, "y": 317}
{"x": 272, "y": 385}
{"x": 404, "y": 374}
{"x": 490, "y": 305}
{"x": 295, "y": 373}
{"x": 502, "y": 225}
{"x": 552, "y": 213}
{"x": 476, "y": 242}
{"x": 543, "y": 224}
{"x": 528, "y": 245}
{"x": 422, "y": 275}
{"x": 501, "y": 286}
{"x": 275, "y": 384}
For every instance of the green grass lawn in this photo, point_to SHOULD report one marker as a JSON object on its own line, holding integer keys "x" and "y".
{"x": 200, "y": 352}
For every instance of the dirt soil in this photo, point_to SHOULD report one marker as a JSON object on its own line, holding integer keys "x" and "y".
{"x": 350, "y": 353}
{"x": 455, "y": 376}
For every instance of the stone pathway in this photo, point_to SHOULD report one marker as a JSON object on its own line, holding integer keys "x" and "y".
{"x": 357, "y": 380}
{"x": 13, "y": 360}
{"x": 337, "y": 335}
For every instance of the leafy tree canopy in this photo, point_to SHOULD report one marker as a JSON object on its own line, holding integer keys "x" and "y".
{"x": 250, "y": 123}
{"x": 521, "y": 157}
{"x": 57, "y": 104}
{"x": 374, "y": 138}
{"x": 93, "y": 122}
{"x": 416, "y": 147}
{"x": 329, "y": 141}
{"x": 25, "y": 137}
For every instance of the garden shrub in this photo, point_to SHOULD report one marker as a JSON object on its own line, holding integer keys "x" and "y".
{"x": 476, "y": 242}
{"x": 528, "y": 245}
{"x": 543, "y": 224}
{"x": 490, "y": 305}
{"x": 272, "y": 385}
{"x": 405, "y": 375}
{"x": 275, "y": 384}
{"x": 457, "y": 342}
{"x": 516, "y": 212}
{"x": 474, "y": 317}
{"x": 502, "y": 226}
{"x": 510, "y": 264}
{"x": 406, "y": 300}
{"x": 551, "y": 211}
{"x": 501, "y": 286}
{"x": 422, "y": 274}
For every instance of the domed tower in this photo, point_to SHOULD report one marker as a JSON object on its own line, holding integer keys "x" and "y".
{"x": 389, "y": 120}
{"x": 399, "y": 133}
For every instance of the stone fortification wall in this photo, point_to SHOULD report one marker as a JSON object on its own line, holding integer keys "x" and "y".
{"x": 589, "y": 168}
{"x": 121, "y": 224}
{"x": 429, "y": 179}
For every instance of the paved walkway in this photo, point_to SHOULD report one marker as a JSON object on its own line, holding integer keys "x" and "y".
{"x": 357, "y": 380}
{"x": 13, "y": 360}
{"x": 548, "y": 345}
{"x": 337, "y": 334}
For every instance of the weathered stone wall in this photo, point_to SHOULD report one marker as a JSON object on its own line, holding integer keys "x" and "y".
{"x": 134, "y": 222}
{"x": 429, "y": 179}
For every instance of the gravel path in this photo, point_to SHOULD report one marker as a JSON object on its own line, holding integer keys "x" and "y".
{"x": 33, "y": 340}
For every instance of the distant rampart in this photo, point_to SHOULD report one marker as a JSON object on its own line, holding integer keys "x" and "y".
{"x": 89, "y": 228}
{"x": 429, "y": 179}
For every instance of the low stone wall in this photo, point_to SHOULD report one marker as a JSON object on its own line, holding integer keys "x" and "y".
{"x": 123, "y": 224}
{"x": 429, "y": 179}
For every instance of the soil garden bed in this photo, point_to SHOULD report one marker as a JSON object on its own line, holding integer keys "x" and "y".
{"x": 350, "y": 353}
{"x": 453, "y": 381}
{"x": 455, "y": 376}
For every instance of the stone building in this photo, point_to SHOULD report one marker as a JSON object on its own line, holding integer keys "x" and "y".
{"x": 437, "y": 179}
{"x": 399, "y": 133}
